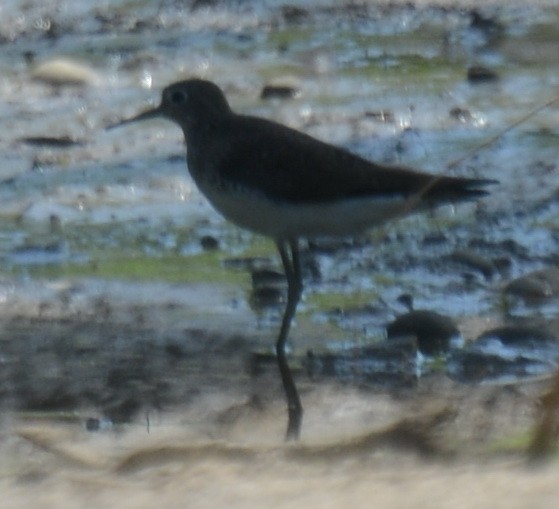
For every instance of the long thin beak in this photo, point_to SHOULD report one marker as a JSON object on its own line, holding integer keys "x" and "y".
{"x": 146, "y": 115}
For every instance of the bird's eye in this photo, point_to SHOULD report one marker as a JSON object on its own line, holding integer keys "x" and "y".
{"x": 178, "y": 97}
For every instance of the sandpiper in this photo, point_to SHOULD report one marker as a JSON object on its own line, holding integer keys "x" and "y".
{"x": 287, "y": 185}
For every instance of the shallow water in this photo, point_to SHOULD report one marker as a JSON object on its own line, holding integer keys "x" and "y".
{"x": 389, "y": 83}
{"x": 110, "y": 228}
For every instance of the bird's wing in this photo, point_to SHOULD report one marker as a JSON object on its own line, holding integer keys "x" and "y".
{"x": 291, "y": 166}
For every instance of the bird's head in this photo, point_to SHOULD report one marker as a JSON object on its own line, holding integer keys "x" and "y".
{"x": 193, "y": 103}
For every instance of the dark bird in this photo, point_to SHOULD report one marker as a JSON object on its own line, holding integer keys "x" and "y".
{"x": 279, "y": 182}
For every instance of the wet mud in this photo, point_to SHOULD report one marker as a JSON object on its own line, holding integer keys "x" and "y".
{"x": 136, "y": 325}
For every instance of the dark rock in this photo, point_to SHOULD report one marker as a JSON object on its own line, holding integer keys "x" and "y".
{"x": 266, "y": 296}
{"x": 536, "y": 286}
{"x": 474, "y": 261}
{"x": 461, "y": 114}
{"x": 260, "y": 363}
{"x": 209, "y": 243}
{"x": 174, "y": 351}
{"x": 268, "y": 288}
{"x": 406, "y": 300}
{"x": 279, "y": 92}
{"x": 294, "y": 13}
{"x": 51, "y": 141}
{"x": 432, "y": 330}
{"x": 92, "y": 424}
{"x": 481, "y": 74}
{"x": 506, "y": 354}
{"x": 518, "y": 334}
{"x": 485, "y": 23}
{"x": 124, "y": 410}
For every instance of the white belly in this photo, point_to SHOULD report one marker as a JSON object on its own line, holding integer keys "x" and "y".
{"x": 285, "y": 220}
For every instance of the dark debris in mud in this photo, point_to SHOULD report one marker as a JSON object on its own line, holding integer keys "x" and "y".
{"x": 115, "y": 369}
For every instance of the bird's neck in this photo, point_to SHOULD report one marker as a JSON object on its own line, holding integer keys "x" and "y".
{"x": 201, "y": 151}
{"x": 200, "y": 131}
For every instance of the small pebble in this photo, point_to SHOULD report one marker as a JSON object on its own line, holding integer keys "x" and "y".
{"x": 461, "y": 114}
{"x": 294, "y": 14}
{"x": 51, "y": 141}
{"x": 474, "y": 261}
{"x": 60, "y": 72}
{"x": 209, "y": 243}
{"x": 92, "y": 424}
{"x": 480, "y": 74}
{"x": 279, "y": 92}
{"x": 541, "y": 284}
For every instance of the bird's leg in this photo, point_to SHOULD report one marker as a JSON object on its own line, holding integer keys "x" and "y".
{"x": 289, "y": 252}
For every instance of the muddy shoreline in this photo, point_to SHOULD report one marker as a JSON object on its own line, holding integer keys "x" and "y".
{"x": 128, "y": 315}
